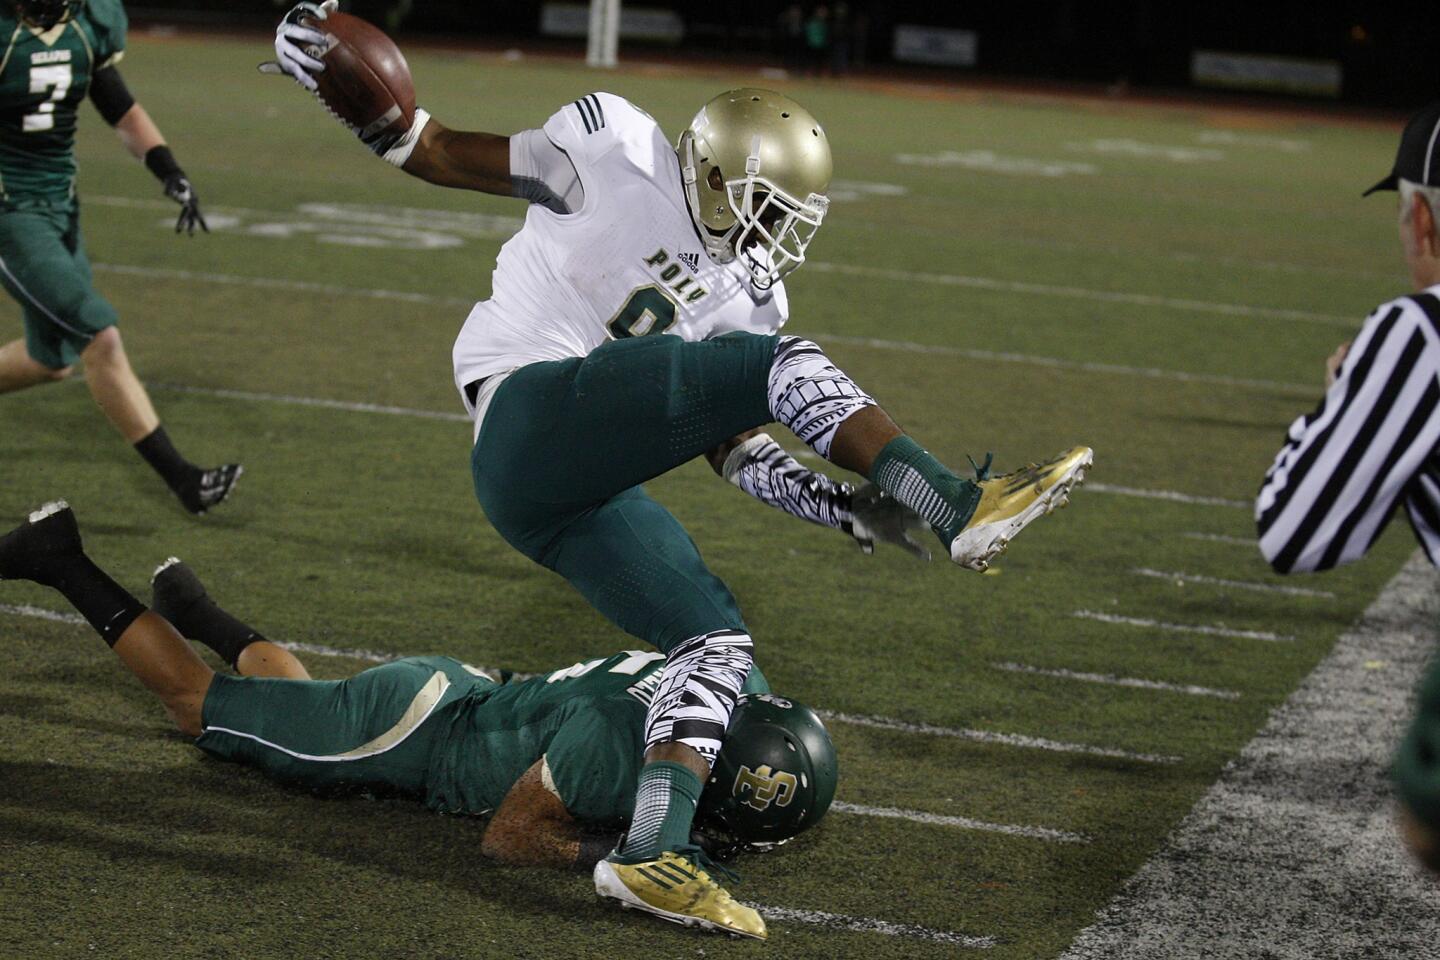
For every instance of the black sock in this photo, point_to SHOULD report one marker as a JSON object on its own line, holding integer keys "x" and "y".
{"x": 205, "y": 621}
{"x": 108, "y": 607}
{"x": 161, "y": 454}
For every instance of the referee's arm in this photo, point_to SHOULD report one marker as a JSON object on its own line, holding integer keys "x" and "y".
{"x": 1343, "y": 468}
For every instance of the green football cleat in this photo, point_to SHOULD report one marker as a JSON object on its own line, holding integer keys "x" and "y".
{"x": 676, "y": 889}
{"x": 1008, "y": 503}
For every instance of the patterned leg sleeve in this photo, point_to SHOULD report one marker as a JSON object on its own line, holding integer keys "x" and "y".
{"x": 698, "y": 690}
{"x": 811, "y": 395}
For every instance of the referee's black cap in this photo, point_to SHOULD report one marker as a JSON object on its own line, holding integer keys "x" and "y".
{"x": 1418, "y": 159}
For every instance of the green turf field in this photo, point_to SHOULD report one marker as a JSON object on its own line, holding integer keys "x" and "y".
{"x": 1168, "y": 298}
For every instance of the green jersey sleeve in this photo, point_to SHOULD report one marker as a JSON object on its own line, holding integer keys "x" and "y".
{"x": 755, "y": 682}
{"x": 108, "y": 20}
{"x": 594, "y": 759}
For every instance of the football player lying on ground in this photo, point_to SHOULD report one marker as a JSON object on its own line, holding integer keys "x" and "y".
{"x": 579, "y": 397}
{"x": 553, "y": 759}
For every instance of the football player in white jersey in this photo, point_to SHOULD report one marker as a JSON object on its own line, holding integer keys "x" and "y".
{"x": 633, "y": 326}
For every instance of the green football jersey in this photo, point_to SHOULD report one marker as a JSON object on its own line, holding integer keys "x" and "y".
{"x": 586, "y": 721}
{"x": 44, "y": 77}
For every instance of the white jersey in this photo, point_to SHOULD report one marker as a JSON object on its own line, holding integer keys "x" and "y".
{"x": 627, "y": 264}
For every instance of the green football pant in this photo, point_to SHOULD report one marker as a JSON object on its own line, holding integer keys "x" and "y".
{"x": 375, "y": 730}
{"x": 566, "y": 443}
{"x": 44, "y": 267}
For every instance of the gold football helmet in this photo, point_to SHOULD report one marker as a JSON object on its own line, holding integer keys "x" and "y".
{"x": 756, "y": 167}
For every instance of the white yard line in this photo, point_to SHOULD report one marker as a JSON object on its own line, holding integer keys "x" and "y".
{"x": 1207, "y": 630}
{"x": 1222, "y": 538}
{"x": 1152, "y": 373}
{"x": 1080, "y": 293}
{"x": 1114, "y": 681}
{"x": 981, "y": 736}
{"x": 334, "y": 290}
{"x": 839, "y": 921}
{"x": 1235, "y": 584}
{"x": 39, "y": 613}
{"x": 275, "y": 283}
{"x": 1300, "y": 827}
{"x": 993, "y": 737}
{"x": 298, "y": 401}
{"x": 963, "y": 823}
{"x": 1169, "y": 495}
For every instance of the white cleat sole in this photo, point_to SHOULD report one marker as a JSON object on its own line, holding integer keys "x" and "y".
{"x": 973, "y": 549}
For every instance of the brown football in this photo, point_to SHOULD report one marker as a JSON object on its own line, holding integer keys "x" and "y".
{"x": 366, "y": 81}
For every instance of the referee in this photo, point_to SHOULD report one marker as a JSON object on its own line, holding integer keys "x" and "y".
{"x": 1373, "y": 442}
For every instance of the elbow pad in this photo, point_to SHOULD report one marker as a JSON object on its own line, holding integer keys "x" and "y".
{"x": 110, "y": 95}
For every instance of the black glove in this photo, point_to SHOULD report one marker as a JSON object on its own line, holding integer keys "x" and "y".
{"x": 178, "y": 188}
{"x": 161, "y": 162}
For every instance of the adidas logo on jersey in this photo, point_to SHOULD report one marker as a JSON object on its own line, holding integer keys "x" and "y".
{"x": 687, "y": 286}
{"x": 691, "y": 260}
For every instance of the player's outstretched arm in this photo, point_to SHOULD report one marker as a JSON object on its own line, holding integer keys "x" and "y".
{"x": 758, "y": 465}
{"x": 531, "y": 827}
{"x": 142, "y": 138}
{"x": 461, "y": 159}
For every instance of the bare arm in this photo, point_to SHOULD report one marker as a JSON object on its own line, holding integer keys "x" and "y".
{"x": 460, "y": 159}
{"x": 138, "y": 133}
{"x": 531, "y": 827}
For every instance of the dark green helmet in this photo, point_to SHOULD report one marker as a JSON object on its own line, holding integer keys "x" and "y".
{"x": 47, "y": 13}
{"x": 775, "y": 775}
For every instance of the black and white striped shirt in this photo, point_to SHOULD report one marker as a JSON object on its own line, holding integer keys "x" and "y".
{"x": 1371, "y": 444}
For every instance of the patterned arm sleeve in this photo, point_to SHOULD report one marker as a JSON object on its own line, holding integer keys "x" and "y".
{"x": 761, "y": 468}
{"x": 1343, "y": 468}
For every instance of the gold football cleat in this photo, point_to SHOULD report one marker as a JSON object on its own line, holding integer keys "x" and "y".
{"x": 677, "y": 890}
{"x": 1009, "y": 502}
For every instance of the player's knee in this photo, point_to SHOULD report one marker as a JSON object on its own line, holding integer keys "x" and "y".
{"x": 106, "y": 348}
{"x": 56, "y": 374}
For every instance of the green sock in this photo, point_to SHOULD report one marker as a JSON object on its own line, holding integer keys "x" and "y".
{"x": 664, "y": 808}
{"x": 908, "y": 473}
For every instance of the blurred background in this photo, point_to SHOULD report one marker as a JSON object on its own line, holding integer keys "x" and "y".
{"x": 1355, "y": 52}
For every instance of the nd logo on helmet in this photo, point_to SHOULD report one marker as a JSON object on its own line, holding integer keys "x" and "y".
{"x": 766, "y": 786}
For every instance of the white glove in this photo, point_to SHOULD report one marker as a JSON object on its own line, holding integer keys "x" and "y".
{"x": 292, "y": 40}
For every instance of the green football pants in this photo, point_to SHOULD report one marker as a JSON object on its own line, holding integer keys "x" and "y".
{"x": 566, "y": 443}
{"x": 375, "y": 730}
{"x": 44, "y": 267}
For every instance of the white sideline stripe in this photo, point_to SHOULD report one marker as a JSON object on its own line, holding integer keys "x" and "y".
{"x": 298, "y": 401}
{"x": 964, "y": 823}
{"x": 838, "y": 921}
{"x": 1237, "y": 584}
{"x": 1300, "y": 827}
{"x": 1080, "y": 293}
{"x": 1112, "y": 680}
{"x": 991, "y": 736}
{"x": 334, "y": 290}
{"x": 1205, "y": 629}
{"x": 1222, "y": 538}
{"x": 884, "y": 723}
{"x": 1168, "y": 495}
